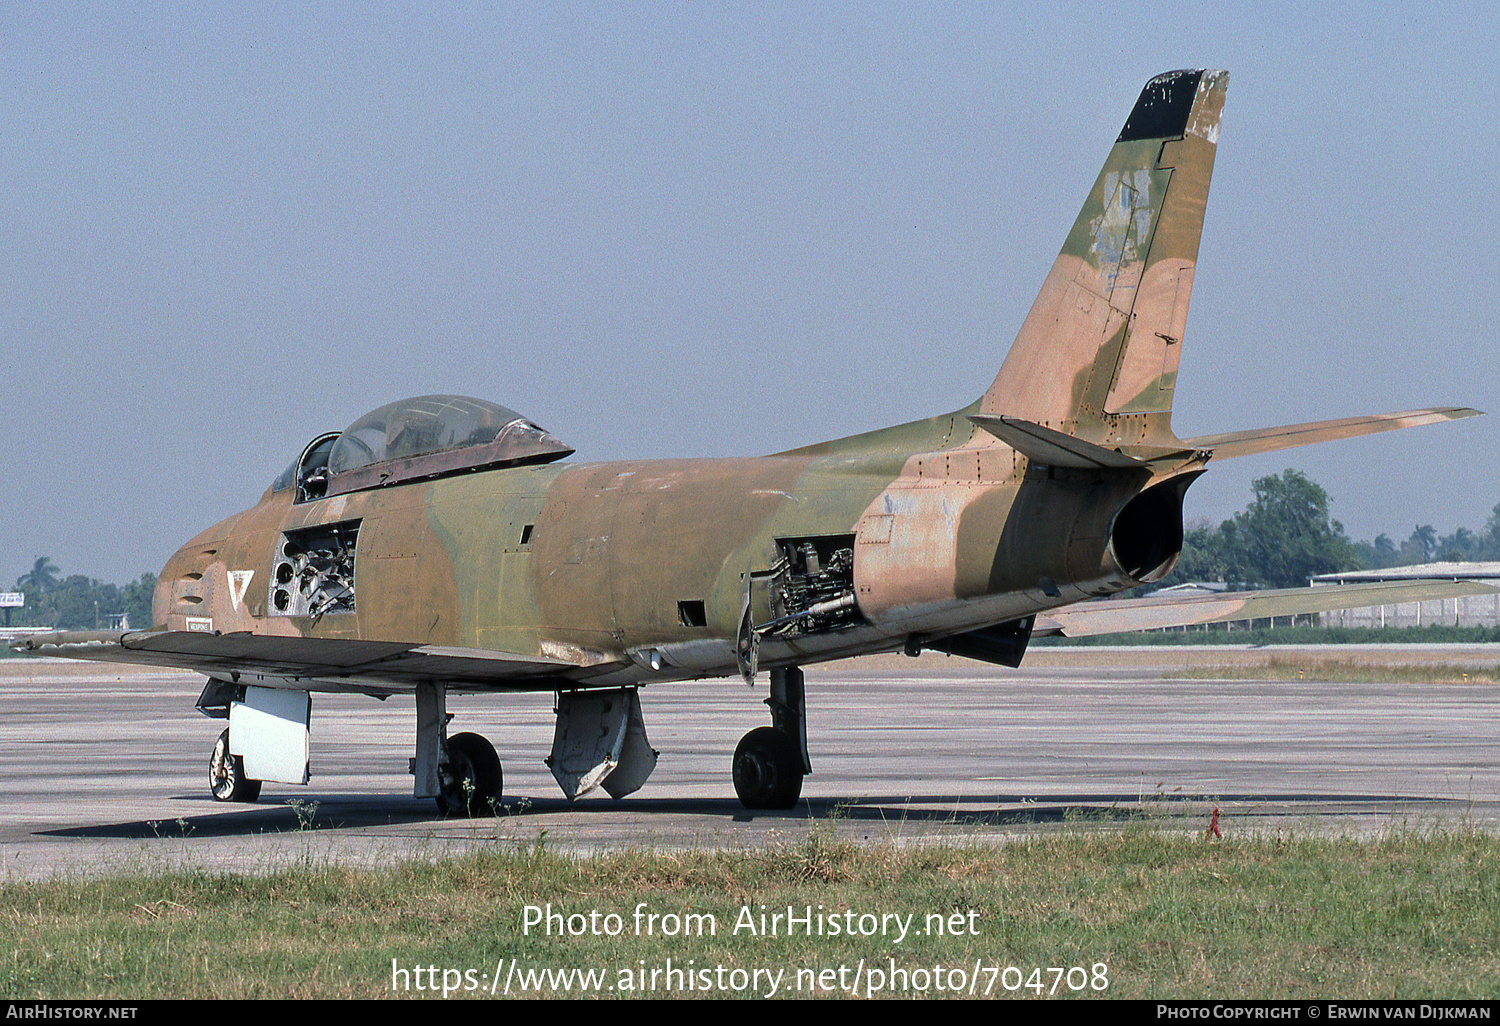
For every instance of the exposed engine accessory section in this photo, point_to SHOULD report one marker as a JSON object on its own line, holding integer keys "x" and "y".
{"x": 313, "y": 573}
{"x": 812, "y": 586}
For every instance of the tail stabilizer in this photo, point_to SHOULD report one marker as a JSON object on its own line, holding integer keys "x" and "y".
{"x": 1097, "y": 356}
{"x": 1044, "y": 445}
{"x": 1249, "y": 443}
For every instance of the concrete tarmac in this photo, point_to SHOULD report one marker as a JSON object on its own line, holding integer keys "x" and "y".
{"x": 105, "y": 768}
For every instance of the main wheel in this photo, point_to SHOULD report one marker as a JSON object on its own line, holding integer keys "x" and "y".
{"x": 471, "y": 777}
{"x": 226, "y": 775}
{"x": 767, "y": 770}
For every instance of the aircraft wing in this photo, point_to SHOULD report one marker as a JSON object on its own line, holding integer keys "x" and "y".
{"x": 1151, "y": 613}
{"x": 347, "y": 664}
{"x": 344, "y": 663}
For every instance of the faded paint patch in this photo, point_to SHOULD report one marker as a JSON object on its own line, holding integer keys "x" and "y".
{"x": 1124, "y": 224}
{"x": 1208, "y": 106}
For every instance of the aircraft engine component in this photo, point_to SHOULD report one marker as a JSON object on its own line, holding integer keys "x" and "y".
{"x": 600, "y": 740}
{"x": 1146, "y": 536}
{"x": 812, "y": 587}
{"x": 269, "y": 730}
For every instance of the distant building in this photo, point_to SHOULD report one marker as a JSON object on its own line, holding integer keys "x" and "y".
{"x": 1471, "y": 611}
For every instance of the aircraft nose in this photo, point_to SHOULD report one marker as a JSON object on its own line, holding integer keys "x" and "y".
{"x": 182, "y": 590}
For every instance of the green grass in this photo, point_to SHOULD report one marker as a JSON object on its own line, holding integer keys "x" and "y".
{"x": 1167, "y": 913}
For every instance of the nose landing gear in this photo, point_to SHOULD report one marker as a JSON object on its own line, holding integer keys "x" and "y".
{"x": 226, "y": 775}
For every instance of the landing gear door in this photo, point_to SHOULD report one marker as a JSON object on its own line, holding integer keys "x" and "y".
{"x": 600, "y": 740}
{"x": 269, "y": 731}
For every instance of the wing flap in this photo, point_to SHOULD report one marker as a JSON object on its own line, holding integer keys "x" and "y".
{"x": 1119, "y": 616}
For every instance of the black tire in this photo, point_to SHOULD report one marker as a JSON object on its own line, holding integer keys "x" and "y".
{"x": 226, "y": 775}
{"x": 767, "y": 770}
{"x": 471, "y": 777}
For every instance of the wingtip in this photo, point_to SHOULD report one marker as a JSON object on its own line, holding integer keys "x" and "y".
{"x": 1435, "y": 415}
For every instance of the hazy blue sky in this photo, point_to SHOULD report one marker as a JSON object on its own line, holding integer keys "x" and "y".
{"x": 703, "y": 229}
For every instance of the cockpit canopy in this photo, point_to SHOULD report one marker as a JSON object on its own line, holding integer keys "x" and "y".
{"x": 429, "y": 436}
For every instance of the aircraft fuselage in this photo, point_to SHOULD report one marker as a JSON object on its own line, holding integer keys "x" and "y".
{"x": 635, "y": 572}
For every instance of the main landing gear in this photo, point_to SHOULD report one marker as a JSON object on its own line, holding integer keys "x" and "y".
{"x": 770, "y": 762}
{"x": 471, "y": 779}
{"x": 469, "y": 776}
{"x": 226, "y": 775}
{"x": 461, "y": 772}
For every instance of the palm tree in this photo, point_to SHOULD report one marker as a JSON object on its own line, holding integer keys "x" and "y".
{"x": 1422, "y": 545}
{"x": 43, "y": 575}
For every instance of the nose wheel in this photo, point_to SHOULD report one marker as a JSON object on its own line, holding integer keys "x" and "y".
{"x": 226, "y": 775}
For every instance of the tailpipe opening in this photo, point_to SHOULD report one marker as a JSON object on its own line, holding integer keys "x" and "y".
{"x": 1146, "y": 536}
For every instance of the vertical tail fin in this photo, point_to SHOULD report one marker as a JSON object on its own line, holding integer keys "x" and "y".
{"x": 1097, "y": 356}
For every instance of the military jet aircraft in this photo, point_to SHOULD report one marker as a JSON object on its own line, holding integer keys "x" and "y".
{"x": 441, "y": 543}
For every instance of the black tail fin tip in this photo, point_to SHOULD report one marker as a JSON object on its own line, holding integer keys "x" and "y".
{"x": 1163, "y": 108}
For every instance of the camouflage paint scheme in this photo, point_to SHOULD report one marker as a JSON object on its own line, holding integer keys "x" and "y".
{"x": 1062, "y": 483}
{"x": 954, "y": 528}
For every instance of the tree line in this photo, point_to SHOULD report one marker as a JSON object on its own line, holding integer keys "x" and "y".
{"x": 77, "y": 602}
{"x": 1285, "y": 535}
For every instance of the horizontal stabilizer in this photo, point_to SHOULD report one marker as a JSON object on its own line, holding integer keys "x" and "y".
{"x": 1044, "y": 445}
{"x": 1248, "y": 443}
{"x": 1153, "y": 613}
